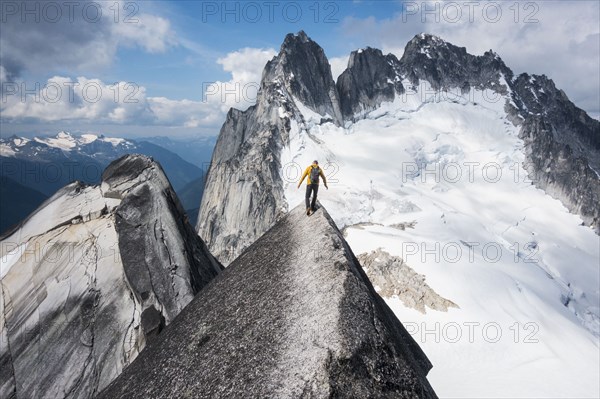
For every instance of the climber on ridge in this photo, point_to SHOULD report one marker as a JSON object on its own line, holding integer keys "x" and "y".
{"x": 312, "y": 174}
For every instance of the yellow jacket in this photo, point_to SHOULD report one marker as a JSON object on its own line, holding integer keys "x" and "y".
{"x": 306, "y": 175}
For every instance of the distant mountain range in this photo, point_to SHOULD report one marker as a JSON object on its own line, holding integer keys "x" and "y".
{"x": 34, "y": 169}
{"x": 195, "y": 150}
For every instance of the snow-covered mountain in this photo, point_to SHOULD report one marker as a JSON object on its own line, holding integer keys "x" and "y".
{"x": 448, "y": 164}
{"x": 90, "y": 277}
{"x": 285, "y": 323}
{"x": 46, "y": 164}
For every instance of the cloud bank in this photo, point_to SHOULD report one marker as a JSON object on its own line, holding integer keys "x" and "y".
{"x": 83, "y": 99}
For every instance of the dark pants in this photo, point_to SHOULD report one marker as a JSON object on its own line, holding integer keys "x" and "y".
{"x": 311, "y": 188}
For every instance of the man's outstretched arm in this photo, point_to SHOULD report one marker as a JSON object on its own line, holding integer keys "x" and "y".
{"x": 303, "y": 177}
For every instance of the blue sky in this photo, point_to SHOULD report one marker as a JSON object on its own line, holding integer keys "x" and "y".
{"x": 216, "y": 35}
{"x": 167, "y": 53}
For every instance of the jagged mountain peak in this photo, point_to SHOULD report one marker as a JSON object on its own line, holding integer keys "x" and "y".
{"x": 370, "y": 79}
{"x": 298, "y": 77}
{"x": 437, "y": 44}
{"x": 291, "y": 38}
{"x": 295, "y": 47}
{"x": 366, "y": 53}
{"x": 431, "y": 45}
{"x": 425, "y": 38}
{"x": 300, "y": 73}
{"x": 430, "y": 58}
{"x": 303, "y": 69}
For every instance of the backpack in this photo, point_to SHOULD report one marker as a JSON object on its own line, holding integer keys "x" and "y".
{"x": 314, "y": 175}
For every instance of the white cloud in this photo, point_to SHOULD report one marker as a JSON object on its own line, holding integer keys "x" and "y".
{"x": 84, "y": 100}
{"x": 152, "y": 33}
{"x": 78, "y": 40}
{"x": 93, "y": 101}
{"x": 186, "y": 113}
{"x": 559, "y": 39}
{"x": 246, "y": 66}
{"x": 63, "y": 98}
{"x": 338, "y": 65}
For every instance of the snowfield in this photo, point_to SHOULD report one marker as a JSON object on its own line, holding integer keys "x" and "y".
{"x": 523, "y": 270}
{"x": 66, "y": 142}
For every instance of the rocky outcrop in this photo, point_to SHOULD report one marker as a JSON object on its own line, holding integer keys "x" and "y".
{"x": 562, "y": 145}
{"x": 303, "y": 69}
{"x": 391, "y": 276}
{"x": 152, "y": 226}
{"x": 90, "y": 277}
{"x": 243, "y": 196}
{"x": 283, "y": 320}
{"x": 370, "y": 79}
{"x": 446, "y": 66}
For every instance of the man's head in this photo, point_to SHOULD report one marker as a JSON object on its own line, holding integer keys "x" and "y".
{"x": 315, "y": 162}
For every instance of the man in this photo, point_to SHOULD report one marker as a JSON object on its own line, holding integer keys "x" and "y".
{"x": 312, "y": 174}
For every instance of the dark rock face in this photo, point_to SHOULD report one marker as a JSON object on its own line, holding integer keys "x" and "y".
{"x": 302, "y": 67}
{"x": 244, "y": 193}
{"x": 370, "y": 79}
{"x": 445, "y": 66}
{"x": 102, "y": 270}
{"x": 283, "y": 321}
{"x": 152, "y": 229}
{"x": 152, "y": 322}
{"x": 537, "y": 95}
{"x": 562, "y": 145}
